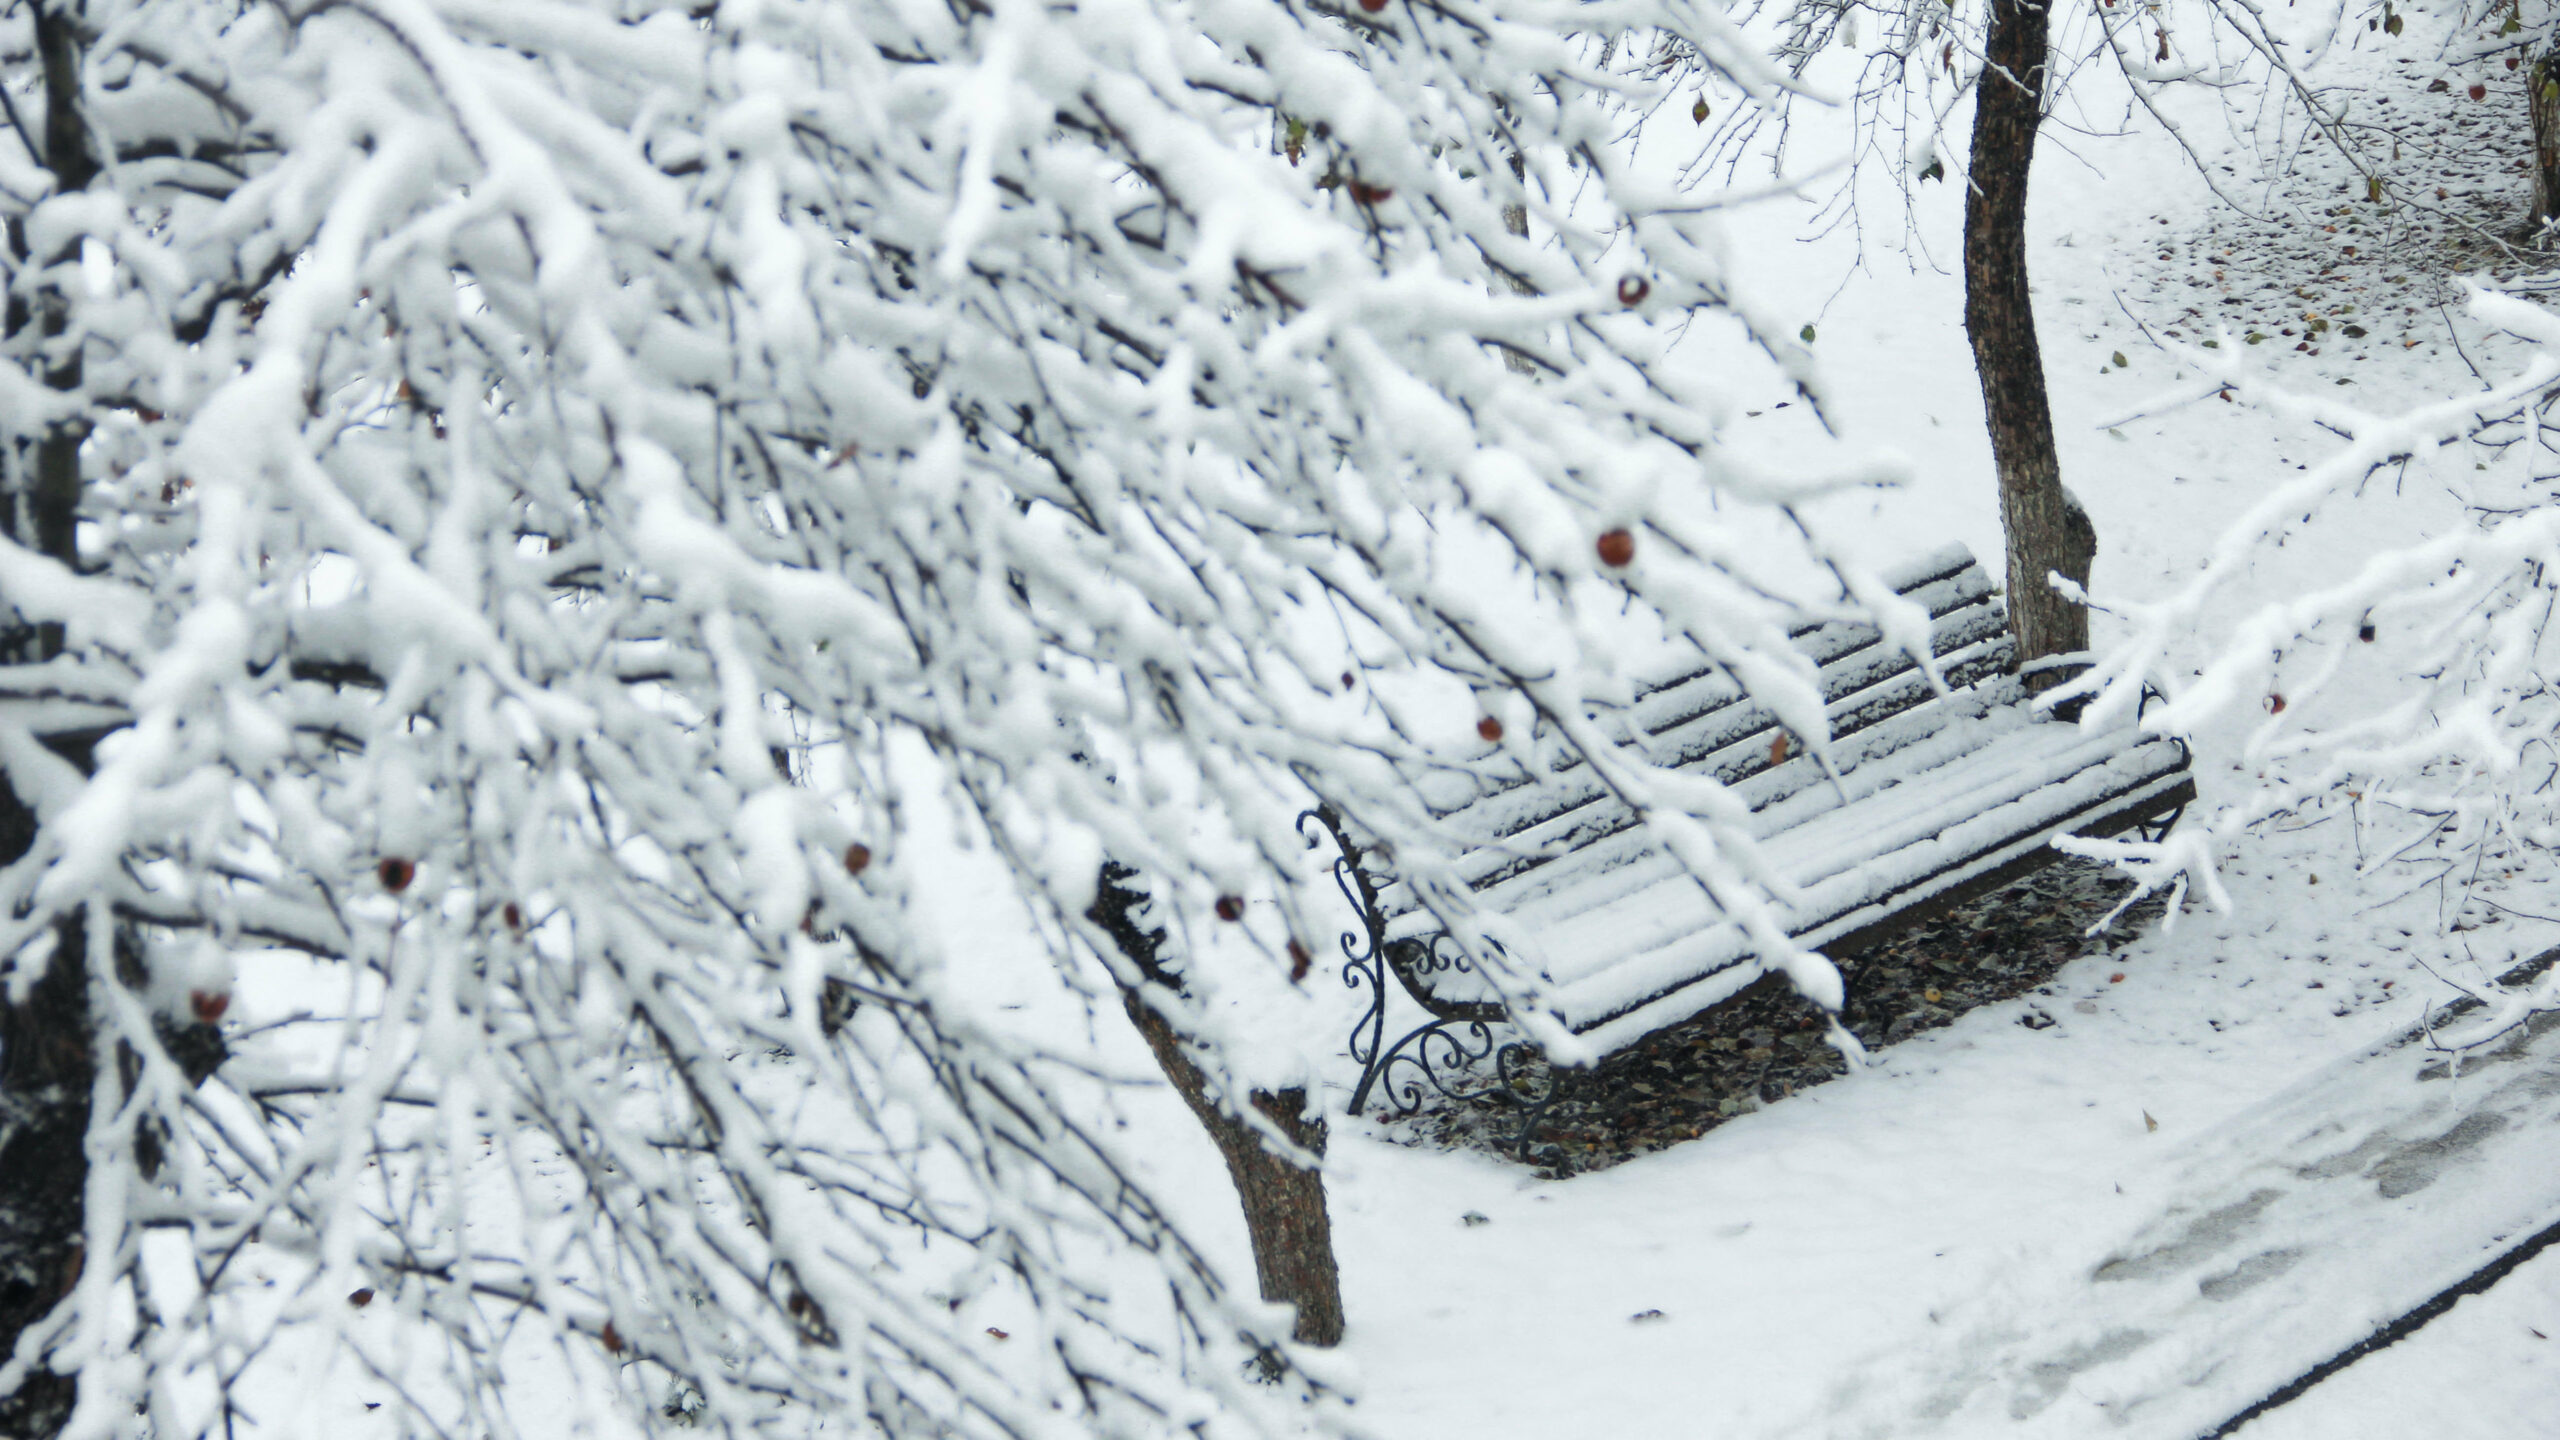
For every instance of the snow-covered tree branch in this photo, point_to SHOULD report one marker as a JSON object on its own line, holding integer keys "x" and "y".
{"x": 2407, "y": 683}
{"x": 495, "y": 487}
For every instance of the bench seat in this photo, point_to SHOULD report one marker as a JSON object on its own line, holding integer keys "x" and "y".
{"x": 1930, "y": 798}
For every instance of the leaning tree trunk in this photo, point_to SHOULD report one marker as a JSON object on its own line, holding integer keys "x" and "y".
{"x": 2047, "y": 531}
{"x": 1284, "y": 1205}
{"x": 2542, "y": 100}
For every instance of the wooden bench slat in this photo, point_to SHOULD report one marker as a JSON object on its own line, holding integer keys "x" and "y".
{"x": 1864, "y": 724}
{"x": 1867, "y": 683}
{"x": 1928, "y": 795}
{"x": 1900, "y": 827}
{"x": 1957, "y": 603}
{"x": 1670, "y": 1004}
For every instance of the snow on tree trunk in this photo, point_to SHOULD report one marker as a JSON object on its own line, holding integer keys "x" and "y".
{"x": 1284, "y": 1205}
{"x": 2047, "y": 531}
{"x": 48, "y": 1054}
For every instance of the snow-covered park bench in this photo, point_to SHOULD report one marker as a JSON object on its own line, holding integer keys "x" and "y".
{"x": 1931, "y": 799}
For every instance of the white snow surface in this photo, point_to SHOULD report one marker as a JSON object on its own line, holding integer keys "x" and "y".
{"x": 1915, "y": 1250}
{"x": 1920, "y": 1248}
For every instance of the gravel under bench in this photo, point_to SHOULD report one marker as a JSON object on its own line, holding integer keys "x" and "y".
{"x": 1766, "y": 1043}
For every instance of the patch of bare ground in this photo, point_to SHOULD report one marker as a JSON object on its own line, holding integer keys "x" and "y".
{"x": 2354, "y": 255}
{"x": 1767, "y": 1043}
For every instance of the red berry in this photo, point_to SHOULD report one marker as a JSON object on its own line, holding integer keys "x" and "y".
{"x": 857, "y": 858}
{"x": 1633, "y": 289}
{"x": 1373, "y": 6}
{"x": 2479, "y": 91}
{"x": 2364, "y": 632}
{"x": 610, "y": 1339}
{"x": 395, "y": 873}
{"x": 360, "y": 1299}
{"x": 1616, "y": 547}
{"x": 2275, "y": 704}
{"x": 1490, "y": 729}
{"x": 1346, "y": 680}
{"x": 1368, "y": 194}
{"x": 513, "y": 916}
{"x": 2511, "y": 62}
{"x": 2116, "y": 979}
{"x": 1299, "y": 961}
{"x": 208, "y": 1005}
{"x": 1230, "y": 907}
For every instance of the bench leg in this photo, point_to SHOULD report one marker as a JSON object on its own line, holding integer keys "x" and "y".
{"x": 1425, "y": 1052}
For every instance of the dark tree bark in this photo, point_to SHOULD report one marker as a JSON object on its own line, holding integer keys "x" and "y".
{"x": 1284, "y": 1204}
{"x": 2047, "y": 531}
{"x": 47, "y": 1059}
{"x": 2542, "y": 99}
{"x": 48, "y": 1047}
{"x": 45, "y": 1071}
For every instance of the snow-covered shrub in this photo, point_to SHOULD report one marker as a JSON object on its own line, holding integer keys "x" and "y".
{"x": 2403, "y": 671}
{"x": 561, "y": 484}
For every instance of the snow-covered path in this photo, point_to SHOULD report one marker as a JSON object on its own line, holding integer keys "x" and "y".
{"x": 2357, "y": 1195}
{"x": 1927, "y": 1238}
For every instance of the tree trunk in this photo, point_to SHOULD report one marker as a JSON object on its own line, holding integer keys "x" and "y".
{"x": 2542, "y": 99}
{"x": 45, "y": 1071}
{"x": 1515, "y": 218}
{"x": 1284, "y": 1204}
{"x": 47, "y": 1046}
{"x": 2047, "y": 531}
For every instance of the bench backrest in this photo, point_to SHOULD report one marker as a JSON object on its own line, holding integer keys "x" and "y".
{"x": 1703, "y": 722}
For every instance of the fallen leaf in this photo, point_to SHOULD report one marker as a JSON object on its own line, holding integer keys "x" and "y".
{"x": 2149, "y": 1124}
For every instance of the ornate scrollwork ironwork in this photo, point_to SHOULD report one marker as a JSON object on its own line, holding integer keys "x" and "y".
{"x": 2157, "y": 828}
{"x": 1435, "y": 1056}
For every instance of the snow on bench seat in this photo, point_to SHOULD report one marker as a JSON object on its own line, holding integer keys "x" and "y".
{"x": 1937, "y": 797}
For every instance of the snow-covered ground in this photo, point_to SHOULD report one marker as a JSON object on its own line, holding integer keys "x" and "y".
{"x": 2215, "y": 1172}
